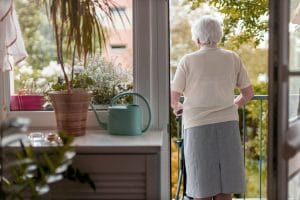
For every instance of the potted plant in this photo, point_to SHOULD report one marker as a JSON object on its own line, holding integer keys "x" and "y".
{"x": 79, "y": 32}
{"x": 30, "y": 87}
{"x": 105, "y": 79}
{"x": 25, "y": 172}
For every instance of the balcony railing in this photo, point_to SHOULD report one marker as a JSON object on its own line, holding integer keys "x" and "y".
{"x": 253, "y": 128}
{"x": 253, "y": 124}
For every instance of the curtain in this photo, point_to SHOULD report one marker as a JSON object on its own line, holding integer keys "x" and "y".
{"x": 12, "y": 48}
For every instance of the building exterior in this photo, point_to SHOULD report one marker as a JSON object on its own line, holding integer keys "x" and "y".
{"x": 119, "y": 42}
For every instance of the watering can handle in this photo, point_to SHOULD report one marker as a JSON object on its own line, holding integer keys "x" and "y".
{"x": 114, "y": 99}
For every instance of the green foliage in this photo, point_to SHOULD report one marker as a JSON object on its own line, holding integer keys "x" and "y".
{"x": 255, "y": 133}
{"x": 46, "y": 162}
{"x": 255, "y": 61}
{"x": 244, "y": 21}
{"x": 59, "y": 86}
{"x": 77, "y": 25}
{"x": 104, "y": 79}
{"x": 83, "y": 80}
{"x": 181, "y": 41}
{"x": 74, "y": 174}
{"x": 108, "y": 79}
{"x": 173, "y": 124}
{"x": 29, "y": 174}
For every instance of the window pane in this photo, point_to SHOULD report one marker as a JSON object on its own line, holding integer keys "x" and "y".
{"x": 294, "y": 184}
{"x": 294, "y": 61}
{"x": 294, "y": 29}
{"x": 110, "y": 70}
{"x": 31, "y": 78}
{"x": 294, "y": 98}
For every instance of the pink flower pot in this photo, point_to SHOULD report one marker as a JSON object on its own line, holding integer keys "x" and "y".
{"x": 26, "y": 102}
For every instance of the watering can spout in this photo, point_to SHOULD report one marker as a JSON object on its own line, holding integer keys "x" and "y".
{"x": 101, "y": 123}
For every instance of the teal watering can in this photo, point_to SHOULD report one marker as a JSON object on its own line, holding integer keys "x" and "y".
{"x": 125, "y": 119}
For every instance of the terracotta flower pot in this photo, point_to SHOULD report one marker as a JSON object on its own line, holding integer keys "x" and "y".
{"x": 71, "y": 110}
{"x": 26, "y": 102}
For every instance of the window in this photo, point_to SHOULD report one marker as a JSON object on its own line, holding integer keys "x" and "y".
{"x": 120, "y": 9}
{"x": 149, "y": 58}
{"x": 118, "y": 46}
{"x": 32, "y": 78}
{"x": 111, "y": 71}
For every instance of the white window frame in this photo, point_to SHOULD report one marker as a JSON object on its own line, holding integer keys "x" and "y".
{"x": 150, "y": 72}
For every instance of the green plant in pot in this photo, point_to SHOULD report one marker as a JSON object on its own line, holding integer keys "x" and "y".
{"x": 105, "y": 79}
{"x": 79, "y": 32}
{"x": 27, "y": 172}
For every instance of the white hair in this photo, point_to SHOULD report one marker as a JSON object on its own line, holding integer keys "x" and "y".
{"x": 207, "y": 30}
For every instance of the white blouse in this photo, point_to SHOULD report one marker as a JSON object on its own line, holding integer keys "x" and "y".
{"x": 207, "y": 78}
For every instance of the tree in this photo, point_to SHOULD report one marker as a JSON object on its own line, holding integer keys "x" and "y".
{"x": 244, "y": 21}
{"x": 181, "y": 42}
{"x": 255, "y": 61}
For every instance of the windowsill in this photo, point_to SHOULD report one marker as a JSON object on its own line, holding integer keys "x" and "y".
{"x": 94, "y": 140}
{"x": 100, "y": 141}
{"x": 100, "y": 138}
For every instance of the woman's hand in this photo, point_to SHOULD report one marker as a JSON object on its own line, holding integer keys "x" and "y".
{"x": 175, "y": 104}
{"x": 178, "y": 109}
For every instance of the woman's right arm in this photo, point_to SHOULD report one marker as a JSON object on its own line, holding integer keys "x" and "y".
{"x": 245, "y": 96}
{"x": 175, "y": 104}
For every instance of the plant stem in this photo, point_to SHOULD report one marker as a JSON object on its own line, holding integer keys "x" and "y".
{"x": 59, "y": 42}
{"x": 61, "y": 49}
{"x": 73, "y": 62}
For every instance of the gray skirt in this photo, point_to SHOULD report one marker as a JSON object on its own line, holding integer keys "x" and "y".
{"x": 214, "y": 160}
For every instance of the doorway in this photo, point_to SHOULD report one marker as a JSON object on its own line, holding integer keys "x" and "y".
{"x": 249, "y": 39}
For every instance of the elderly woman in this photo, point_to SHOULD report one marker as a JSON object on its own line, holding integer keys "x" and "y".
{"x": 212, "y": 145}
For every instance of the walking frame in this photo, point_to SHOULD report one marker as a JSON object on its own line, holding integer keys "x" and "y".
{"x": 181, "y": 161}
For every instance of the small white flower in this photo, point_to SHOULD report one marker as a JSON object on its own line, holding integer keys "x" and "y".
{"x": 53, "y": 69}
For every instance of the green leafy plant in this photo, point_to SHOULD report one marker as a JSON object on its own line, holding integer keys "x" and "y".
{"x": 31, "y": 171}
{"x": 109, "y": 79}
{"x": 82, "y": 81}
{"x": 105, "y": 79}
